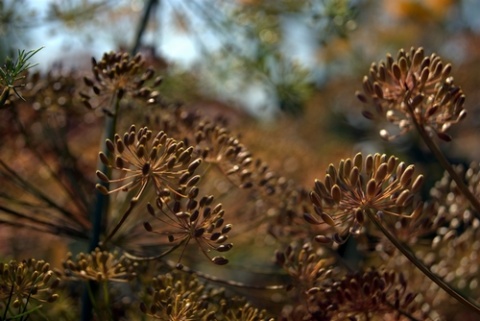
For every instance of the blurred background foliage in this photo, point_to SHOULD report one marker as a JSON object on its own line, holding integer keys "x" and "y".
{"x": 259, "y": 56}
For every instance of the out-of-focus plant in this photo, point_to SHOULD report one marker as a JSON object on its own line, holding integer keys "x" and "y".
{"x": 12, "y": 72}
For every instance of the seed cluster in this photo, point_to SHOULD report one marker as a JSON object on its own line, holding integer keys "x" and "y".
{"x": 456, "y": 242}
{"x": 185, "y": 220}
{"x": 100, "y": 266}
{"x": 280, "y": 197}
{"x": 183, "y": 297}
{"x": 174, "y": 299}
{"x": 118, "y": 74}
{"x": 413, "y": 84}
{"x": 373, "y": 183}
{"x": 371, "y": 295}
{"x": 305, "y": 265}
{"x": 26, "y": 281}
{"x": 143, "y": 158}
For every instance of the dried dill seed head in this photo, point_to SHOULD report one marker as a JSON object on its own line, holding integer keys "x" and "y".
{"x": 100, "y": 266}
{"x": 182, "y": 221}
{"x": 121, "y": 75}
{"x": 414, "y": 230}
{"x": 305, "y": 265}
{"x": 176, "y": 298}
{"x": 281, "y": 197}
{"x": 373, "y": 183}
{"x": 371, "y": 295}
{"x": 453, "y": 204}
{"x": 413, "y": 80}
{"x": 216, "y": 145}
{"x": 142, "y": 158}
{"x": 244, "y": 312}
{"x": 456, "y": 242}
{"x": 22, "y": 283}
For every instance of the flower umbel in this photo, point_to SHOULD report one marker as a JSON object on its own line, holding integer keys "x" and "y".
{"x": 119, "y": 74}
{"x": 24, "y": 282}
{"x": 195, "y": 220}
{"x": 305, "y": 265}
{"x": 144, "y": 158}
{"x": 100, "y": 266}
{"x": 413, "y": 84}
{"x": 175, "y": 299}
{"x": 367, "y": 296}
{"x": 375, "y": 184}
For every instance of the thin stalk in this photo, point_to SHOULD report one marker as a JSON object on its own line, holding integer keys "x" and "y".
{"x": 142, "y": 25}
{"x": 100, "y": 209}
{"x": 106, "y": 299}
{"x": 422, "y": 267}
{"x": 215, "y": 279}
{"x": 101, "y": 205}
{"x": 445, "y": 163}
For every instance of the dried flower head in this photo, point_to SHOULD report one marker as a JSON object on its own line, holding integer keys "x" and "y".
{"x": 242, "y": 312}
{"x": 175, "y": 298}
{"x": 377, "y": 184}
{"x": 183, "y": 221}
{"x": 118, "y": 74}
{"x": 100, "y": 266}
{"x": 371, "y": 295}
{"x": 143, "y": 158}
{"x": 306, "y": 266}
{"x": 413, "y": 84}
{"x": 456, "y": 241}
{"x": 26, "y": 281}
{"x": 280, "y": 197}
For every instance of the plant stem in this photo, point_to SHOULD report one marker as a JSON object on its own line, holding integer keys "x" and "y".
{"x": 143, "y": 24}
{"x": 100, "y": 209}
{"x": 445, "y": 163}
{"x": 422, "y": 267}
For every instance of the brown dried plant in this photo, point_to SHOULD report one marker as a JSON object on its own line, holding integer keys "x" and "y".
{"x": 118, "y": 75}
{"x": 413, "y": 88}
{"x": 180, "y": 184}
{"x": 99, "y": 266}
{"x": 144, "y": 159}
{"x": 25, "y": 286}
{"x": 359, "y": 186}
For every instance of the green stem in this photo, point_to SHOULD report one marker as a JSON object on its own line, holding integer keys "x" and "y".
{"x": 445, "y": 163}
{"x": 106, "y": 299}
{"x": 422, "y": 267}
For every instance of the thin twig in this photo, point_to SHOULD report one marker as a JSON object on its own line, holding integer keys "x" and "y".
{"x": 422, "y": 267}
{"x": 445, "y": 163}
{"x": 222, "y": 281}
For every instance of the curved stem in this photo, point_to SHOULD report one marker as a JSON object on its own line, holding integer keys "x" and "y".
{"x": 422, "y": 267}
{"x": 445, "y": 163}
